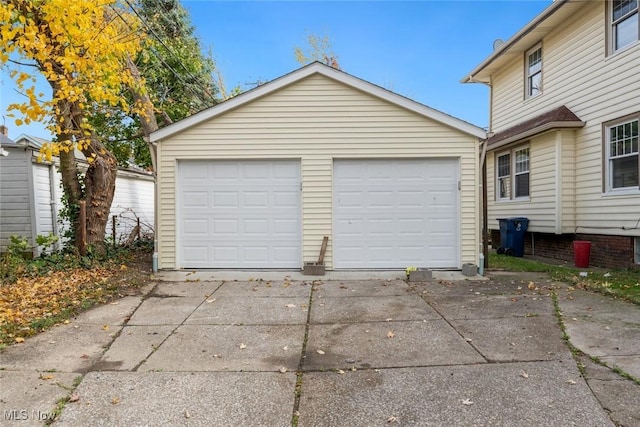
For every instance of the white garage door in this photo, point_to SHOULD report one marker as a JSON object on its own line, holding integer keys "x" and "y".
{"x": 396, "y": 213}
{"x": 239, "y": 214}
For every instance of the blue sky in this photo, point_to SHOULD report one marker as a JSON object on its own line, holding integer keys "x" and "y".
{"x": 419, "y": 49}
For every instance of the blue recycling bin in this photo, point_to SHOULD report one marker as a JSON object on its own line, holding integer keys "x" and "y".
{"x": 512, "y": 236}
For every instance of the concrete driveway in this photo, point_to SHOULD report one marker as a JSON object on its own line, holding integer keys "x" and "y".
{"x": 314, "y": 353}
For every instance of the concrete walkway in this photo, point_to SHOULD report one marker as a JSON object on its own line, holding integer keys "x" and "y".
{"x": 277, "y": 351}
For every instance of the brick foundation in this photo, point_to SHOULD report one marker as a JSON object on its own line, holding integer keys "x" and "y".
{"x": 606, "y": 251}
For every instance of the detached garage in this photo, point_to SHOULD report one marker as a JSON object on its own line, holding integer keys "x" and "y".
{"x": 257, "y": 181}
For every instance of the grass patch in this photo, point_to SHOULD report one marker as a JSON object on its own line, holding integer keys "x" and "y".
{"x": 34, "y": 298}
{"x": 621, "y": 283}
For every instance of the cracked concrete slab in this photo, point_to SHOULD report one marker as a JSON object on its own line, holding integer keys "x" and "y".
{"x": 165, "y": 311}
{"x": 114, "y": 313}
{"x": 371, "y": 309}
{"x": 386, "y": 344}
{"x": 515, "y": 339}
{"x": 360, "y": 288}
{"x": 65, "y": 348}
{"x": 492, "y": 306}
{"x": 487, "y": 394}
{"x": 227, "y": 310}
{"x": 123, "y": 399}
{"x": 265, "y": 288}
{"x": 32, "y": 397}
{"x": 134, "y": 345}
{"x": 185, "y": 289}
{"x": 229, "y": 348}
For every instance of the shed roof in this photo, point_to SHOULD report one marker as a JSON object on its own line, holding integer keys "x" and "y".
{"x": 332, "y": 73}
{"x": 560, "y": 117}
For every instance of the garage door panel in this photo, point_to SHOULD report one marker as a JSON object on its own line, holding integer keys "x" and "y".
{"x": 396, "y": 213}
{"x": 199, "y": 253}
{"x": 196, "y": 226}
{"x": 225, "y": 198}
{"x": 195, "y": 199}
{"x": 285, "y": 199}
{"x": 255, "y": 227}
{"x": 252, "y": 207}
{"x": 222, "y": 253}
{"x": 225, "y": 227}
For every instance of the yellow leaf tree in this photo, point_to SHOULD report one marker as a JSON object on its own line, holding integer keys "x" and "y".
{"x": 81, "y": 48}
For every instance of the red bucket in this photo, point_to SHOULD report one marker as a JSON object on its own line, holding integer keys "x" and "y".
{"x": 581, "y": 252}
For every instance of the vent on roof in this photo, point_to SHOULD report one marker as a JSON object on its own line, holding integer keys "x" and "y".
{"x": 497, "y": 43}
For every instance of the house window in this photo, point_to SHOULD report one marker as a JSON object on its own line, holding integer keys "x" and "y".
{"x": 624, "y": 23}
{"x": 504, "y": 176}
{"x": 622, "y": 155}
{"x": 513, "y": 174}
{"x": 521, "y": 185}
{"x": 534, "y": 71}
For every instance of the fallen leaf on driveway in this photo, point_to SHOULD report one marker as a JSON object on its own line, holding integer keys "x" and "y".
{"x": 290, "y": 305}
{"x": 467, "y": 402}
{"x": 392, "y": 420}
{"x": 283, "y": 369}
{"x": 572, "y": 382}
{"x": 46, "y": 377}
{"x": 242, "y": 346}
{"x": 523, "y": 374}
{"x": 115, "y": 400}
{"x": 391, "y": 333}
{"x": 187, "y": 414}
{"x": 319, "y": 351}
{"x": 389, "y": 319}
{"x": 74, "y": 398}
{"x": 340, "y": 371}
{"x": 19, "y": 340}
{"x": 532, "y": 286}
{"x": 211, "y": 300}
{"x": 105, "y": 327}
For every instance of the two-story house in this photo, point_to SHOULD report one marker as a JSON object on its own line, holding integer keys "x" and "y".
{"x": 563, "y": 145}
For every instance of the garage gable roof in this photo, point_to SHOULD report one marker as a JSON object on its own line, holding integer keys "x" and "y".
{"x": 332, "y": 73}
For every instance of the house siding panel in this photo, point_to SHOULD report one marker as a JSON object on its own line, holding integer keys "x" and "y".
{"x": 597, "y": 88}
{"x": 15, "y": 207}
{"x": 317, "y": 120}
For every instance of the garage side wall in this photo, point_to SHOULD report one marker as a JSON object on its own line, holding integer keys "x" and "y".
{"x": 317, "y": 120}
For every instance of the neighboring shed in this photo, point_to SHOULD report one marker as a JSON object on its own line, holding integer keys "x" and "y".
{"x": 257, "y": 181}
{"x": 31, "y": 195}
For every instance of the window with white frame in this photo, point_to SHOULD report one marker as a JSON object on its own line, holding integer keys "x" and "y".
{"x": 534, "y": 71}
{"x": 625, "y": 25}
{"x": 622, "y": 155}
{"x": 512, "y": 178}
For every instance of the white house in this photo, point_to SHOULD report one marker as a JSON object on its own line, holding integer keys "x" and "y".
{"x": 259, "y": 180}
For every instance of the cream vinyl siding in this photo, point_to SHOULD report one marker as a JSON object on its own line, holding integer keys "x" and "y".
{"x": 317, "y": 119}
{"x": 598, "y": 88}
{"x": 539, "y": 207}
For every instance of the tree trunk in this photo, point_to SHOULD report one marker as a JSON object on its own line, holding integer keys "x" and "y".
{"x": 99, "y": 179}
{"x": 68, "y": 170}
{"x": 100, "y": 186}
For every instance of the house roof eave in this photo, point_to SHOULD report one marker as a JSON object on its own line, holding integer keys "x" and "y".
{"x": 547, "y": 20}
